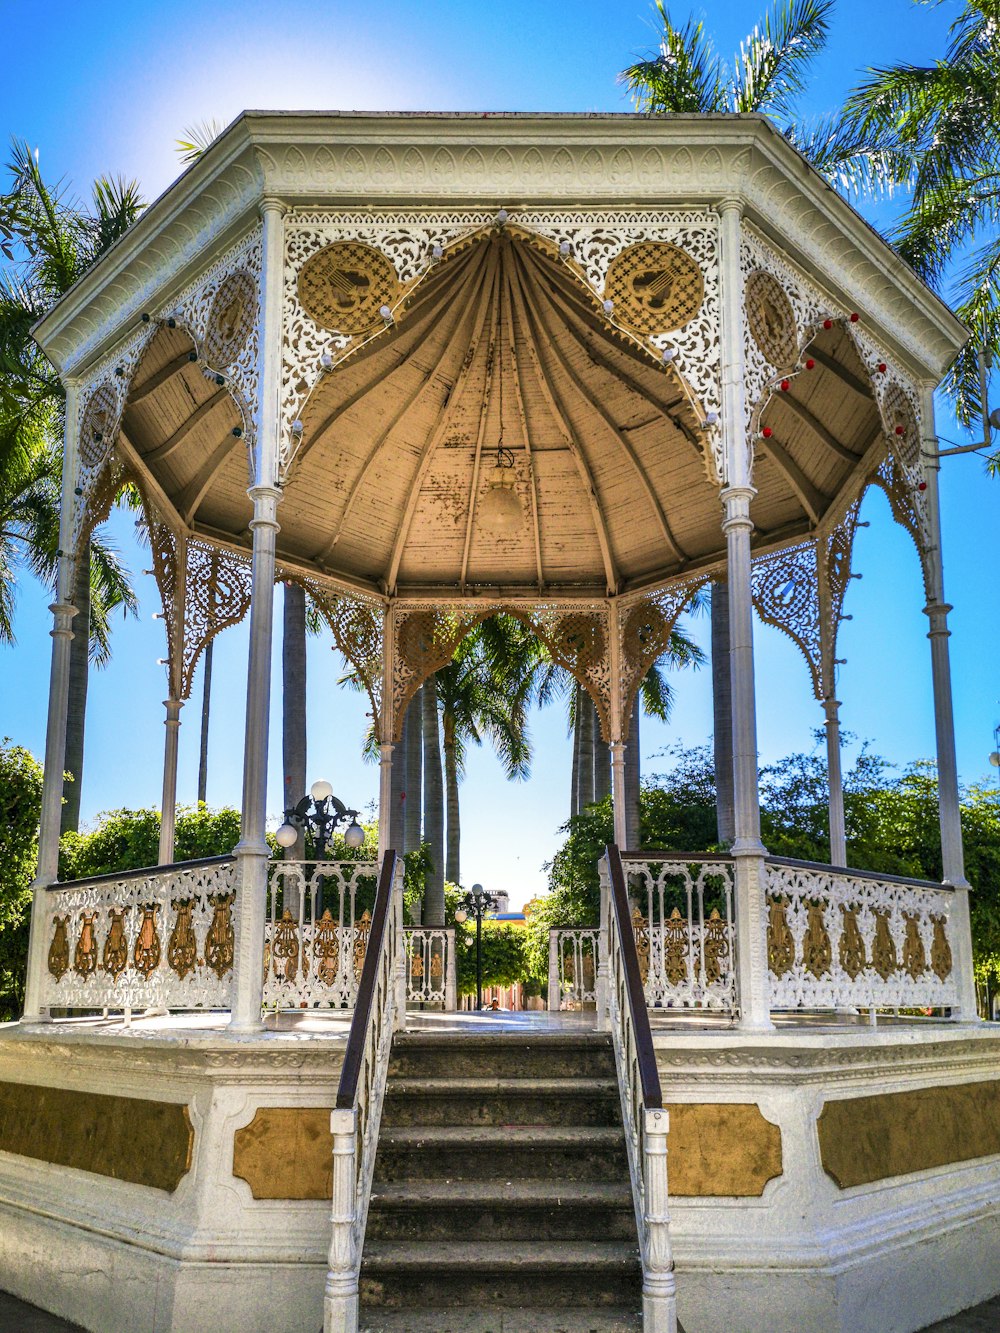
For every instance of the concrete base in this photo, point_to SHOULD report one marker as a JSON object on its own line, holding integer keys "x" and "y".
{"x": 786, "y": 1248}
{"x": 798, "y": 1251}
{"x": 118, "y": 1257}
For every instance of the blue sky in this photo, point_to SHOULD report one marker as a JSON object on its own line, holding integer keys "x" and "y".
{"x": 109, "y": 87}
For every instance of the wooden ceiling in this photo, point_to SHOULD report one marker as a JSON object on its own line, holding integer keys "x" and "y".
{"x": 400, "y": 440}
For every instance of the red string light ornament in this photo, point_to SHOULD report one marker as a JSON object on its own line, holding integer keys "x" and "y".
{"x": 785, "y": 386}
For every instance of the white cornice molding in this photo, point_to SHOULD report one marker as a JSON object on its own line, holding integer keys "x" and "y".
{"x": 336, "y": 160}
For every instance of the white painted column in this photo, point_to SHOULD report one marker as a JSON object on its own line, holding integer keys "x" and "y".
{"x": 618, "y": 791}
{"x": 949, "y": 808}
{"x": 385, "y": 798}
{"x": 835, "y": 780}
{"x": 63, "y": 612}
{"x": 750, "y": 870}
{"x": 252, "y": 852}
{"x": 168, "y": 802}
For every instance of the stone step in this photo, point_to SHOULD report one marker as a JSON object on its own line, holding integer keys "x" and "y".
{"x": 502, "y": 1211}
{"x": 520, "y": 1320}
{"x": 501, "y": 1101}
{"x": 509, "y": 1152}
{"x": 548, "y": 1274}
{"x": 442, "y": 1055}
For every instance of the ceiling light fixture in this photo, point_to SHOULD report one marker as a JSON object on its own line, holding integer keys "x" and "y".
{"x": 500, "y": 509}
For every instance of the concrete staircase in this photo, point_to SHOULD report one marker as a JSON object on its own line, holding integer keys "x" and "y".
{"x": 501, "y": 1201}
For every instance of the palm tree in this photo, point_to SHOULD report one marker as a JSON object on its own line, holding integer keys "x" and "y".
{"x": 478, "y": 694}
{"x": 293, "y": 703}
{"x": 934, "y": 131}
{"x": 49, "y": 243}
{"x": 766, "y": 75}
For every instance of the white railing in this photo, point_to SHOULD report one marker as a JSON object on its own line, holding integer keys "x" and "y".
{"x": 682, "y": 915}
{"x": 841, "y": 939}
{"x": 355, "y": 1121}
{"x": 430, "y": 967}
{"x": 645, "y": 1120}
{"x": 161, "y": 937}
{"x": 317, "y": 932}
{"x": 573, "y": 966}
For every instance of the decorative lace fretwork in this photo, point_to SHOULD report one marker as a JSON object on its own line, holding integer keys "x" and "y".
{"x": 644, "y": 627}
{"x": 101, "y": 473}
{"x": 221, "y": 312}
{"x": 204, "y": 590}
{"x": 683, "y": 920}
{"x": 800, "y": 590}
{"x": 358, "y": 628}
{"x": 835, "y": 939}
{"x": 808, "y": 306}
{"x": 162, "y": 938}
{"x": 900, "y": 472}
{"x": 783, "y": 586}
{"x": 578, "y": 639}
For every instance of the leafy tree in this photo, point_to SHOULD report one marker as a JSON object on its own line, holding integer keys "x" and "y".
{"x": 129, "y": 840}
{"x": 20, "y": 810}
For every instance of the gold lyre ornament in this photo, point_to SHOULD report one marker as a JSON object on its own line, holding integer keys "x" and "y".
{"x": 780, "y": 940}
{"x": 326, "y": 949}
{"x": 182, "y": 947}
{"x": 361, "y": 943}
{"x": 286, "y": 945}
{"x": 116, "y": 945}
{"x": 146, "y": 954}
{"x": 85, "y": 953}
{"x": 220, "y": 941}
{"x": 59, "y": 948}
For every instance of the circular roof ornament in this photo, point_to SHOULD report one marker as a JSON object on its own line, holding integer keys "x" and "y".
{"x": 654, "y": 286}
{"x": 231, "y": 317}
{"x": 771, "y": 318}
{"x": 97, "y": 424}
{"x": 344, "y": 286}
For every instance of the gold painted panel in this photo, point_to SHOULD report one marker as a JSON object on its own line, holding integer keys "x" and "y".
{"x": 721, "y": 1150}
{"x": 127, "y": 1138}
{"x": 865, "y": 1139}
{"x": 286, "y": 1152}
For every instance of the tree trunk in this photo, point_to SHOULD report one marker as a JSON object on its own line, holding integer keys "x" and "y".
{"x": 633, "y": 780}
{"x": 414, "y": 774}
{"x": 586, "y": 750}
{"x": 433, "y": 914}
{"x": 722, "y": 700}
{"x": 397, "y": 791}
{"x": 206, "y": 706}
{"x": 453, "y": 860}
{"x": 602, "y": 760}
{"x": 293, "y": 705}
{"x": 79, "y": 672}
{"x": 574, "y": 796}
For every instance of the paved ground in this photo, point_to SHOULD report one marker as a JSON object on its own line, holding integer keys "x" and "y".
{"x": 16, "y": 1317}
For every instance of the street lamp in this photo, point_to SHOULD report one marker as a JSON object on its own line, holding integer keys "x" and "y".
{"x": 478, "y": 901}
{"x": 319, "y": 814}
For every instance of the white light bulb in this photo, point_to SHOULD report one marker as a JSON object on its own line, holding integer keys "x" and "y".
{"x": 287, "y": 835}
{"x": 354, "y": 834}
{"x": 321, "y": 790}
{"x": 297, "y": 427}
{"x": 711, "y": 418}
{"x": 669, "y": 353}
{"x": 608, "y": 307}
{"x": 564, "y": 247}
{"x": 386, "y": 313}
{"x": 326, "y": 360}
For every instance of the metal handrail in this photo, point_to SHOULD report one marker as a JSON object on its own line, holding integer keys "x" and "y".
{"x": 649, "y": 1078}
{"x": 694, "y": 858}
{"x": 140, "y": 872}
{"x": 357, "y": 1037}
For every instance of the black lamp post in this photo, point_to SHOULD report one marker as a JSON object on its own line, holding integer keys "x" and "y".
{"x": 319, "y": 814}
{"x": 479, "y": 902}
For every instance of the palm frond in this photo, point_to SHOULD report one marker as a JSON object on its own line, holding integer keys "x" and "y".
{"x": 686, "y": 75}
{"x": 200, "y": 137}
{"x": 773, "y": 59}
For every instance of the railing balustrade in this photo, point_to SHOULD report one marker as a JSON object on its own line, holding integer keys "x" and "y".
{"x": 355, "y": 1120}
{"x": 841, "y": 939}
{"x": 430, "y": 967}
{"x": 157, "y": 938}
{"x": 683, "y": 922}
{"x": 645, "y": 1120}
{"x": 573, "y": 966}
{"x": 317, "y": 931}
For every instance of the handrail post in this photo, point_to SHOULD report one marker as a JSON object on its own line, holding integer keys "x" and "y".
{"x": 601, "y": 980}
{"x": 342, "y": 1286}
{"x": 659, "y": 1287}
{"x": 450, "y": 974}
{"x": 399, "y": 1017}
{"x": 555, "y": 991}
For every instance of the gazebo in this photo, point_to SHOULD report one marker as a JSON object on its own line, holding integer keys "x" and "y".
{"x": 569, "y": 368}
